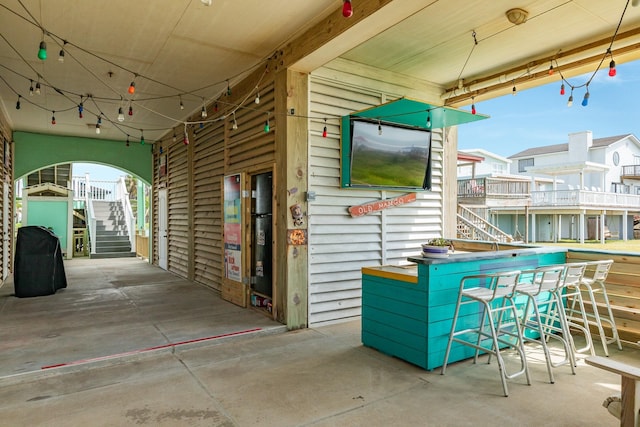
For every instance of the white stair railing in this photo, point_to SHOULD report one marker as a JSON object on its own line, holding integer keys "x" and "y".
{"x": 88, "y": 203}
{"x": 122, "y": 195}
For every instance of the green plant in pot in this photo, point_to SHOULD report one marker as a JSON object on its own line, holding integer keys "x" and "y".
{"x": 437, "y": 246}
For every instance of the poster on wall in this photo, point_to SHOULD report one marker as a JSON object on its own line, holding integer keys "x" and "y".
{"x": 232, "y": 228}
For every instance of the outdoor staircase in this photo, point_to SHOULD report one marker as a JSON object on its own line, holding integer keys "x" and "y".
{"x": 472, "y": 226}
{"x": 112, "y": 236}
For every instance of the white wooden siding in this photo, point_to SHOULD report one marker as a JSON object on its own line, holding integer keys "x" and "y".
{"x": 340, "y": 245}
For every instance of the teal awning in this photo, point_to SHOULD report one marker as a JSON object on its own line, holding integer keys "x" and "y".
{"x": 414, "y": 113}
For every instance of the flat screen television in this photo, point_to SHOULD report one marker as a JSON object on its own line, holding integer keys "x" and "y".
{"x": 382, "y": 155}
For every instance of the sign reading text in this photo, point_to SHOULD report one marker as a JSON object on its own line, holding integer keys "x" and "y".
{"x": 379, "y": 205}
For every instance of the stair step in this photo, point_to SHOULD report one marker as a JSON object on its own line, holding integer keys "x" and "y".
{"x": 112, "y": 255}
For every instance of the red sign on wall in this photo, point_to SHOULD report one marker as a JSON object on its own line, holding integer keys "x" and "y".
{"x": 379, "y": 205}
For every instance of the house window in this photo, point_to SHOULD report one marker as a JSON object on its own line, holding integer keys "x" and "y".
{"x": 523, "y": 164}
{"x": 498, "y": 168}
{"x": 616, "y": 158}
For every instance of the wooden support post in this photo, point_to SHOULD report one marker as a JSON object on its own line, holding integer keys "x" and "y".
{"x": 630, "y": 388}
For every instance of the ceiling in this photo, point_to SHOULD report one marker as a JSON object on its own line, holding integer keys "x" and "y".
{"x": 185, "y": 50}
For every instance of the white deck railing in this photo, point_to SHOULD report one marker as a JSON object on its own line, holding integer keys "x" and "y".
{"x": 584, "y": 198}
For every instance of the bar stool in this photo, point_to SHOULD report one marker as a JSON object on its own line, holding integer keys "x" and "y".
{"x": 594, "y": 284}
{"x": 543, "y": 313}
{"x": 494, "y": 292}
{"x": 576, "y": 316}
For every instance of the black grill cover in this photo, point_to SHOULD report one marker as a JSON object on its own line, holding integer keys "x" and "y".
{"x": 38, "y": 268}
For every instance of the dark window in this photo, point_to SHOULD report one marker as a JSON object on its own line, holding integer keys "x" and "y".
{"x": 523, "y": 164}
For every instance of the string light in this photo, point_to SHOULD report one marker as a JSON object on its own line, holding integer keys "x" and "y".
{"x": 612, "y": 65}
{"x": 514, "y": 91}
{"x": 53, "y": 117}
{"x": 120, "y": 115}
{"x": 132, "y": 87}
{"x": 570, "y": 101}
{"x": 38, "y": 88}
{"x": 80, "y": 109}
{"x": 18, "y": 103}
{"x": 228, "y": 89}
{"x": 130, "y": 110}
{"x": 551, "y": 70}
{"x": 31, "y": 88}
{"x": 235, "y": 123}
{"x": 185, "y": 140}
{"x": 379, "y": 128}
{"x": 267, "y": 128}
{"x": 585, "y": 100}
{"x": 127, "y": 140}
{"x": 97, "y": 129}
{"x": 347, "y": 8}
{"x": 175, "y": 137}
{"x": 215, "y": 107}
{"x": 181, "y": 104}
{"x": 473, "y": 105}
{"x": 257, "y": 100}
{"x": 562, "y": 89}
{"x": 203, "y": 112}
{"x": 61, "y": 54}
{"x": 324, "y": 130}
{"x": 42, "y": 50}
{"x": 428, "y": 123}
{"x": 141, "y": 137}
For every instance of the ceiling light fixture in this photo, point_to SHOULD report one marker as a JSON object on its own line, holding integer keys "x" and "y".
{"x": 517, "y": 16}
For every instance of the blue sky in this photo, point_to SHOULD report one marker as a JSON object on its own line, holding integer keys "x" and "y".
{"x": 97, "y": 172}
{"x": 540, "y": 116}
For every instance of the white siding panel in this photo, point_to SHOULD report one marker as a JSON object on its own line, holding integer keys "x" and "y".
{"x": 339, "y": 244}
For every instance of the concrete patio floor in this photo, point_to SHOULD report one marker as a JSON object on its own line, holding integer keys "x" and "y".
{"x": 103, "y": 353}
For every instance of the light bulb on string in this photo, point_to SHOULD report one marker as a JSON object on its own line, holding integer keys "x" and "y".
{"x": 31, "y": 88}
{"x": 130, "y": 110}
{"x": 185, "y": 140}
{"x": 203, "y": 112}
{"x": 570, "y": 101}
{"x": 18, "y": 103}
{"x": 160, "y": 149}
{"x": 612, "y": 68}
{"x": 585, "y": 100}
{"x": 132, "y": 88}
{"x": 551, "y": 70}
{"x": 562, "y": 89}
{"x": 97, "y": 129}
{"x": 235, "y": 123}
{"x": 38, "y": 92}
{"x": 514, "y": 91}
{"x": 141, "y": 137}
{"x": 99, "y": 120}
{"x": 175, "y": 137}
{"x": 61, "y": 54}
{"x": 428, "y": 122}
{"x": 379, "y": 128}
{"x": 257, "y": 100}
{"x": 324, "y": 130}
{"x": 53, "y": 117}
{"x": 42, "y": 50}
{"x": 267, "y": 127}
{"x": 181, "y": 104}
{"x": 347, "y": 8}
{"x": 120, "y": 115}
{"x": 473, "y": 106}
{"x": 80, "y": 109}
{"x": 215, "y": 107}
{"x": 228, "y": 89}
{"x": 127, "y": 140}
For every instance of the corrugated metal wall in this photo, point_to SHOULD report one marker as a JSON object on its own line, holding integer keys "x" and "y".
{"x": 340, "y": 245}
{"x": 178, "y": 210}
{"x": 196, "y": 189}
{"x": 208, "y": 170}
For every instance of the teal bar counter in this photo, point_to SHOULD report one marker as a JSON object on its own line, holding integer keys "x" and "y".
{"x": 407, "y": 310}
